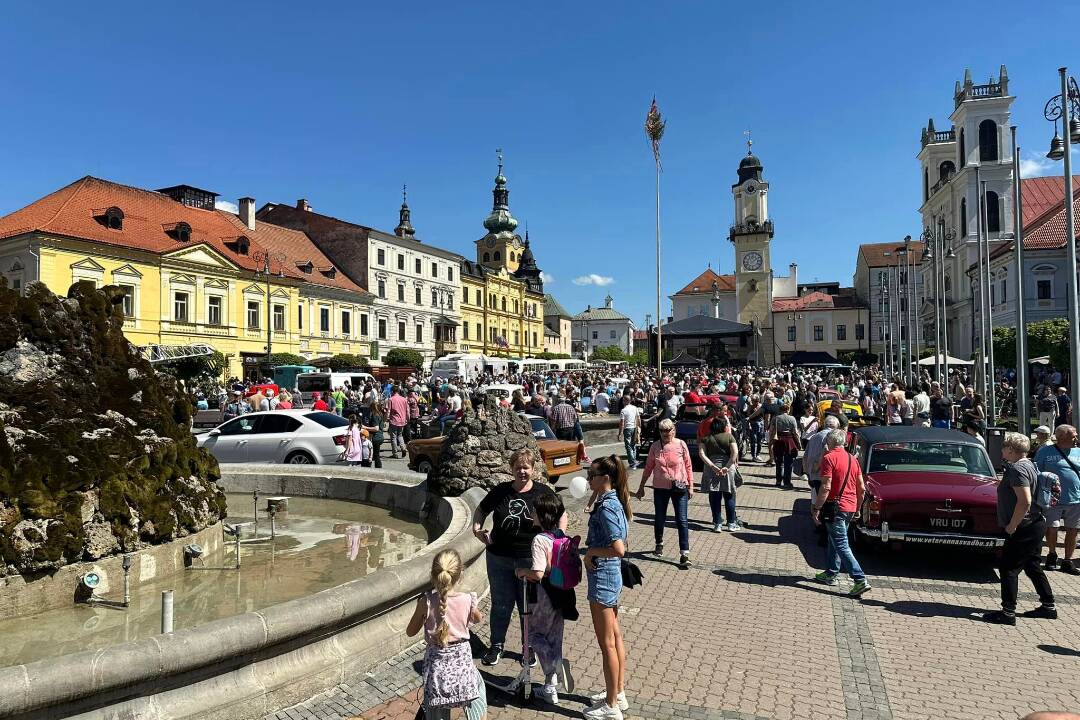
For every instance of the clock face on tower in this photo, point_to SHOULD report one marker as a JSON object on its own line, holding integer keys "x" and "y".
{"x": 751, "y": 188}
{"x": 752, "y": 261}
{"x": 491, "y": 242}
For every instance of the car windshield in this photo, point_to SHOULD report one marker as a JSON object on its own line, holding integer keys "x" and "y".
{"x": 541, "y": 430}
{"x": 313, "y": 383}
{"x": 327, "y": 420}
{"x": 929, "y": 457}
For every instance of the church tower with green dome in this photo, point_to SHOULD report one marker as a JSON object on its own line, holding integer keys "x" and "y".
{"x": 501, "y": 247}
{"x": 751, "y": 233}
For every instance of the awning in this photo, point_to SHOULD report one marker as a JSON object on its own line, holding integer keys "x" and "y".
{"x": 443, "y": 320}
{"x": 705, "y": 326}
{"x": 935, "y": 359}
{"x": 684, "y": 359}
{"x": 813, "y": 358}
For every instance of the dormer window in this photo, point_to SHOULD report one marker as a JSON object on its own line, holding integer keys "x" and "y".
{"x": 114, "y": 218}
{"x": 330, "y": 272}
{"x": 182, "y": 232}
{"x": 242, "y": 245}
{"x": 306, "y": 268}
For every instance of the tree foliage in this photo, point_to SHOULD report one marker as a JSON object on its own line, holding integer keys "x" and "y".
{"x": 1046, "y": 337}
{"x": 404, "y": 357}
{"x": 345, "y": 361}
{"x": 641, "y": 357}
{"x": 287, "y": 359}
{"x": 553, "y": 356}
{"x": 608, "y": 352}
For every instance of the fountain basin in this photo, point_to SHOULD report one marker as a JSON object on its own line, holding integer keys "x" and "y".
{"x": 251, "y": 664}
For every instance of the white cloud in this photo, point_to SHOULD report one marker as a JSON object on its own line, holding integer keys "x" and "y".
{"x": 227, "y": 206}
{"x": 594, "y": 279}
{"x": 546, "y": 278}
{"x": 1038, "y": 165}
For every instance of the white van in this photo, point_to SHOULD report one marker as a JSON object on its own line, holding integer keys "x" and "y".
{"x": 457, "y": 365}
{"x": 324, "y": 382}
{"x": 567, "y": 365}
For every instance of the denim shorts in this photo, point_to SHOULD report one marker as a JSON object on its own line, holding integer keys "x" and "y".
{"x": 605, "y": 582}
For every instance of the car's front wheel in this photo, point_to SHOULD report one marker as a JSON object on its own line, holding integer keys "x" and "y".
{"x": 424, "y": 466}
{"x": 299, "y": 458}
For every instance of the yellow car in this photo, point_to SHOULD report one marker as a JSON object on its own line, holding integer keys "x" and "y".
{"x": 852, "y": 410}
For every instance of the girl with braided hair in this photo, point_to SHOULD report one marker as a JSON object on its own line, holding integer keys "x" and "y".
{"x": 450, "y": 678}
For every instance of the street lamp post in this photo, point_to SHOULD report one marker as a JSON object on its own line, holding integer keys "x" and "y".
{"x": 930, "y": 256}
{"x": 1023, "y": 415}
{"x": 264, "y": 258}
{"x": 1066, "y": 106}
{"x": 901, "y": 309}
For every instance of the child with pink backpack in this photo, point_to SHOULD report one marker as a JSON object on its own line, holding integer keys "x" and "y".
{"x": 556, "y": 569}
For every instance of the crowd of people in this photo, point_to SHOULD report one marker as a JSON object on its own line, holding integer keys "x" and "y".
{"x": 770, "y": 411}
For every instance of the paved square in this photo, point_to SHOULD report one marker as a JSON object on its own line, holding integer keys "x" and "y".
{"x": 744, "y": 634}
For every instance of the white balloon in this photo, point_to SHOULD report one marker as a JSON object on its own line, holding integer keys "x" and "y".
{"x": 579, "y": 487}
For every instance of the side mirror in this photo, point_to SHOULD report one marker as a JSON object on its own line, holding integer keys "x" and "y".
{"x": 214, "y": 432}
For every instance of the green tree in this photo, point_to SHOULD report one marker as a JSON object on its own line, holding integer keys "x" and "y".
{"x": 641, "y": 357}
{"x": 552, "y": 356}
{"x": 608, "y": 352}
{"x": 345, "y": 361}
{"x": 287, "y": 359}
{"x": 404, "y": 357}
{"x": 1046, "y": 337}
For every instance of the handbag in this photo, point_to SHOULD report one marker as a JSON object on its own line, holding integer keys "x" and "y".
{"x": 830, "y": 508}
{"x": 631, "y": 573}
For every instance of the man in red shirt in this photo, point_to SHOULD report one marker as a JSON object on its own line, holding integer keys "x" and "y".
{"x": 704, "y": 428}
{"x": 317, "y": 403}
{"x": 397, "y": 415}
{"x": 841, "y": 483}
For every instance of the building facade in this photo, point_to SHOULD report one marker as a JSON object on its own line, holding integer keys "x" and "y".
{"x": 414, "y": 286}
{"x": 884, "y": 287}
{"x": 557, "y": 331}
{"x": 818, "y": 321}
{"x": 190, "y": 273}
{"x": 967, "y": 186}
{"x": 708, "y": 294}
{"x": 502, "y": 291}
{"x": 601, "y": 327}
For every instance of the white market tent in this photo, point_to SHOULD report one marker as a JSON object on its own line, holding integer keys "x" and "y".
{"x": 935, "y": 359}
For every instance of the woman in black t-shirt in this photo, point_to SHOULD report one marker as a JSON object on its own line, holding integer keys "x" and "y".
{"x": 509, "y": 543}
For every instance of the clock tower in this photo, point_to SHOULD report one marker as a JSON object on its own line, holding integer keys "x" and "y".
{"x": 751, "y": 234}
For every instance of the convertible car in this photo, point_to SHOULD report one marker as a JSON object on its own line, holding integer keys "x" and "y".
{"x": 926, "y": 486}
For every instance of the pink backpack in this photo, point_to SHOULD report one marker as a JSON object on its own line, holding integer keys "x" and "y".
{"x": 565, "y": 560}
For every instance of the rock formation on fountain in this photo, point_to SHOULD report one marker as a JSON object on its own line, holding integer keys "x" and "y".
{"x": 96, "y": 456}
{"x": 476, "y": 451}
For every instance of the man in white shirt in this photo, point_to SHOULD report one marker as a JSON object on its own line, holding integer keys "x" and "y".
{"x": 921, "y": 408}
{"x": 601, "y": 401}
{"x": 629, "y": 421}
{"x": 454, "y": 402}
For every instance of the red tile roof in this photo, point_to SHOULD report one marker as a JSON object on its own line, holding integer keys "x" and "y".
{"x": 1042, "y": 193}
{"x": 843, "y": 299}
{"x": 884, "y": 254}
{"x": 74, "y": 211}
{"x": 703, "y": 283}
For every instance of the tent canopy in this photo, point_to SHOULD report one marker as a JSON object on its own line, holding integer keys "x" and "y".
{"x": 807, "y": 357}
{"x": 705, "y": 326}
{"x": 935, "y": 359}
{"x": 684, "y": 359}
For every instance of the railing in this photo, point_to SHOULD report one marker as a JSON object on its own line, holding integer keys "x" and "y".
{"x": 938, "y": 136}
{"x": 940, "y": 184}
{"x": 445, "y": 346}
{"x": 976, "y": 92}
{"x": 751, "y": 228}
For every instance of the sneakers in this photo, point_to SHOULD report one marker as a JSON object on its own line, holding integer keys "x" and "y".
{"x": 1042, "y": 612}
{"x": 602, "y": 711}
{"x": 564, "y": 677}
{"x": 1051, "y": 562}
{"x": 684, "y": 561}
{"x": 859, "y": 588}
{"x": 826, "y": 579}
{"x": 735, "y": 526}
{"x": 533, "y": 662}
{"x": 999, "y": 617}
{"x": 756, "y": 458}
{"x": 718, "y": 527}
{"x": 1068, "y": 568}
{"x": 493, "y": 656}
{"x": 659, "y": 550}
{"x": 620, "y": 700}
{"x": 548, "y": 694}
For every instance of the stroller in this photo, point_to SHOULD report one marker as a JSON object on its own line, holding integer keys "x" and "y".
{"x": 521, "y": 686}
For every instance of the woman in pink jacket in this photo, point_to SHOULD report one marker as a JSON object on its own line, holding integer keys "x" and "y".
{"x": 673, "y": 480}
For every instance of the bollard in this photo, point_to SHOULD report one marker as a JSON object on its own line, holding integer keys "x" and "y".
{"x": 166, "y": 611}
{"x": 237, "y": 549}
{"x": 127, "y": 579}
{"x": 273, "y": 514}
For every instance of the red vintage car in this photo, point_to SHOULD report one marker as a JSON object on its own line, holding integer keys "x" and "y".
{"x": 926, "y": 486}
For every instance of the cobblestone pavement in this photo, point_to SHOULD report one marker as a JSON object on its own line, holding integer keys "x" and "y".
{"x": 743, "y": 634}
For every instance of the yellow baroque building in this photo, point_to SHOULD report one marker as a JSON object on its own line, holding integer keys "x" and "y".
{"x": 502, "y": 292}
{"x": 191, "y": 273}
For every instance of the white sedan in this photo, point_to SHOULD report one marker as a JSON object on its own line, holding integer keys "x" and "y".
{"x": 297, "y": 437}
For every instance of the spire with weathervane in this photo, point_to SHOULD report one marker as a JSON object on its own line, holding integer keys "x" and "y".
{"x": 404, "y": 228}
{"x": 500, "y": 221}
{"x": 527, "y": 271}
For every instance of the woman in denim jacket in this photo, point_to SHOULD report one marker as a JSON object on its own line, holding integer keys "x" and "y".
{"x": 606, "y": 543}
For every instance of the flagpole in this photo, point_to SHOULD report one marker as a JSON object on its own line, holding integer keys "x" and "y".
{"x": 659, "y": 342}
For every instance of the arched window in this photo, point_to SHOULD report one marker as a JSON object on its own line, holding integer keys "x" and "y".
{"x": 963, "y": 217}
{"x": 114, "y": 218}
{"x": 963, "y": 149}
{"x": 511, "y": 256}
{"x": 925, "y": 184}
{"x": 487, "y": 257}
{"x": 946, "y": 170}
{"x": 988, "y": 141}
{"x": 497, "y": 256}
{"x": 183, "y": 232}
{"x": 993, "y": 212}
{"x": 948, "y": 284}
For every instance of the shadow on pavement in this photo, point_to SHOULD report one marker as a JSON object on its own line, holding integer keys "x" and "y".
{"x": 1058, "y": 650}
{"x": 498, "y": 697}
{"x": 919, "y": 608}
{"x": 765, "y": 580}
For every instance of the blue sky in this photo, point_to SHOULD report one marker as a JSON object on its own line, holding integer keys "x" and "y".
{"x": 341, "y": 103}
